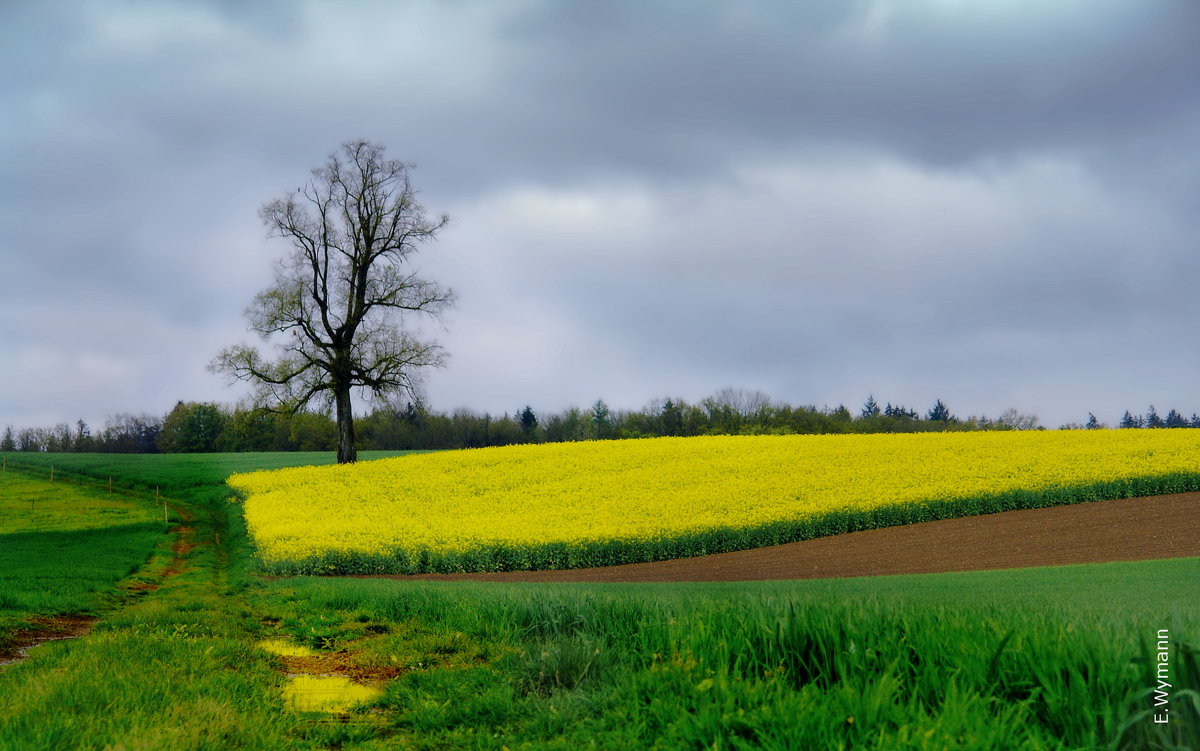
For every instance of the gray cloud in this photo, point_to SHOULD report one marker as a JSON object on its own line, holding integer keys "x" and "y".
{"x": 991, "y": 203}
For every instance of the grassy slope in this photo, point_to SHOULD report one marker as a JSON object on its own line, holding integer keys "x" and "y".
{"x": 1034, "y": 658}
{"x": 29, "y": 504}
{"x": 1016, "y": 659}
{"x": 174, "y": 668}
{"x": 196, "y": 478}
{"x": 63, "y": 548}
{"x": 171, "y": 670}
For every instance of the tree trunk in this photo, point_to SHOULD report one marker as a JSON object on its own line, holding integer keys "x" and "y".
{"x": 347, "y": 454}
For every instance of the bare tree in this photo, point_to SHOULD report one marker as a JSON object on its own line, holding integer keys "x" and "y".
{"x": 1011, "y": 418}
{"x": 343, "y": 293}
{"x": 744, "y": 402}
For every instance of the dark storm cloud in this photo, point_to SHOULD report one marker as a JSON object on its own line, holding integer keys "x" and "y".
{"x": 938, "y": 82}
{"x": 816, "y": 199}
{"x": 578, "y": 91}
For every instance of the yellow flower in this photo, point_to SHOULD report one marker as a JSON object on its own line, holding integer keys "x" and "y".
{"x": 639, "y": 491}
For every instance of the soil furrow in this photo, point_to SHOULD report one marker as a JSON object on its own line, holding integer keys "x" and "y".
{"x": 1129, "y": 529}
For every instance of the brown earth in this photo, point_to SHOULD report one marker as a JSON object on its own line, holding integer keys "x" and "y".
{"x": 1130, "y": 529}
{"x": 338, "y": 663}
{"x": 43, "y": 629}
{"x": 180, "y": 548}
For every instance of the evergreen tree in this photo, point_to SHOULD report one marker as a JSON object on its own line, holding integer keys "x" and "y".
{"x": 8, "y": 443}
{"x": 900, "y": 412}
{"x": 602, "y": 423}
{"x": 1130, "y": 421}
{"x": 671, "y": 418}
{"x": 940, "y": 413}
{"x": 414, "y": 413}
{"x": 1175, "y": 420}
{"x": 529, "y": 422}
{"x": 870, "y": 407}
{"x": 1093, "y": 423}
{"x": 1152, "y": 418}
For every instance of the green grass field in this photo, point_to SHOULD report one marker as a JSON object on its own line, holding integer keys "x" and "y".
{"x": 1034, "y": 658}
{"x": 64, "y": 548}
{"x": 1056, "y": 658}
{"x": 28, "y": 504}
{"x": 196, "y": 478}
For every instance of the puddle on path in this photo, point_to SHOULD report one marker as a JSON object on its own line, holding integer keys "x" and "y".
{"x": 42, "y": 630}
{"x": 335, "y": 694}
{"x": 23, "y": 652}
{"x": 310, "y": 691}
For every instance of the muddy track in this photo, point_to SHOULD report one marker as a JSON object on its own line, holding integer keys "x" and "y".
{"x": 184, "y": 536}
{"x": 43, "y": 629}
{"x": 1130, "y": 529}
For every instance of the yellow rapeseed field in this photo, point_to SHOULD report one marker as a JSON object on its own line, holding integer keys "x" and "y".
{"x": 436, "y": 510}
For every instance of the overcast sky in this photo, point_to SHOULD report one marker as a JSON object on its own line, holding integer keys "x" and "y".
{"x": 991, "y": 202}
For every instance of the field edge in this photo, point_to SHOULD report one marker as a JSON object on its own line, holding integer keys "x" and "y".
{"x": 567, "y": 556}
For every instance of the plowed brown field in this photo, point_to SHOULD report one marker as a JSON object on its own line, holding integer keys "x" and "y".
{"x": 1129, "y": 529}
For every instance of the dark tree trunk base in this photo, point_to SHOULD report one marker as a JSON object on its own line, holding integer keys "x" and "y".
{"x": 347, "y": 454}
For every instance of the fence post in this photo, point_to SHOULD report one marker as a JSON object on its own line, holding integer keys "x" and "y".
{"x": 51, "y": 473}
{"x": 110, "y": 486}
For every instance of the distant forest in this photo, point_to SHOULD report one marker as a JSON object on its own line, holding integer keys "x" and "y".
{"x": 205, "y": 426}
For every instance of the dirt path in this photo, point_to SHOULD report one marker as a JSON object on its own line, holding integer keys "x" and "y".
{"x": 42, "y": 629}
{"x": 1130, "y": 529}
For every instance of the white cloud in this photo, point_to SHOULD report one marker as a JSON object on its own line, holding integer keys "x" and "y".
{"x": 818, "y": 283}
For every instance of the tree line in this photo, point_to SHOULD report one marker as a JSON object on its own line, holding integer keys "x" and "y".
{"x": 206, "y": 426}
{"x": 1151, "y": 419}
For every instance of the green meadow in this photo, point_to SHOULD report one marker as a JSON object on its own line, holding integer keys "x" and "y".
{"x": 196, "y": 478}
{"x": 1054, "y": 658}
{"x": 64, "y": 548}
{"x": 1034, "y": 658}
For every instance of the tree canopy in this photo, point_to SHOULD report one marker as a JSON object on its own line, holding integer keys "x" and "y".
{"x": 344, "y": 292}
